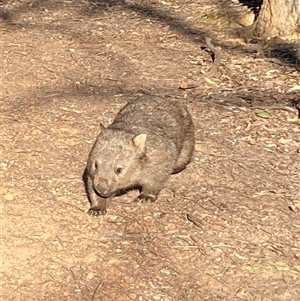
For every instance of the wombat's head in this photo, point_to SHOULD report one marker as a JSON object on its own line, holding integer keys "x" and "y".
{"x": 115, "y": 160}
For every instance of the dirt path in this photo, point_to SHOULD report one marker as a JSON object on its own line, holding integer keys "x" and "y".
{"x": 226, "y": 228}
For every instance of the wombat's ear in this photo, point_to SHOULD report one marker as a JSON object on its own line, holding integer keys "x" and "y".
{"x": 102, "y": 127}
{"x": 140, "y": 141}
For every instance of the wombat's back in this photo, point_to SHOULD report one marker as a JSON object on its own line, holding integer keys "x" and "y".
{"x": 164, "y": 121}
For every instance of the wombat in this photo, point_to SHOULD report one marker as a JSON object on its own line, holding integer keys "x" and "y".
{"x": 150, "y": 139}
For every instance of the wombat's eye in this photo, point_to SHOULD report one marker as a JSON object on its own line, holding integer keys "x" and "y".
{"x": 96, "y": 165}
{"x": 118, "y": 170}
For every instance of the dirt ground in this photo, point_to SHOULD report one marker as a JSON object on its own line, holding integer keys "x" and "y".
{"x": 226, "y": 228}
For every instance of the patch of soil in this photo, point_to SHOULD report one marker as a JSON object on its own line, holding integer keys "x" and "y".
{"x": 226, "y": 228}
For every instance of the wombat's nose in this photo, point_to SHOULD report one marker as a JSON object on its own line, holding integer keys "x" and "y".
{"x": 102, "y": 189}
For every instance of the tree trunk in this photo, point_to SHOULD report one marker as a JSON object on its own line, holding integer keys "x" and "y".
{"x": 278, "y": 18}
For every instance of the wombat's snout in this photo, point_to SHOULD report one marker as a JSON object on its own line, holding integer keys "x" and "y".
{"x": 102, "y": 189}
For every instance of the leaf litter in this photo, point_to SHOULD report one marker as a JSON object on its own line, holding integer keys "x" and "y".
{"x": 226, "y": 228}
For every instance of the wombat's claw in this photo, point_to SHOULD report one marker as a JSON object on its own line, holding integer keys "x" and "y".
{"x": 95, "y": 211}
{"x": 142, "y": 198}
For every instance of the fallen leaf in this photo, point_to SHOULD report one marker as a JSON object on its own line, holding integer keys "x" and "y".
{"x": 252, "y": 141}
{"x": 210, "y": 81}
{"x": 70, "y": 130}
{"x": 183, "y": 85}
{"x": 295, "y": 88}
{"x": 211, "y": 16}
{"x": 263, "y": 114}
{"x": 92, "y": 257}
{"x": 199, "y": 147}
{"x": 285, "y": 141}
{"x": 9, "y": 197}
{"x": 90, "y": 276}
{"x": 218, "y": 228}
{"x": 36, "y": 132}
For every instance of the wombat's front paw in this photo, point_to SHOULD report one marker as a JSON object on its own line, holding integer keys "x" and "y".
{"x": 143, "y": 198}
{"x": 95, "y": 211}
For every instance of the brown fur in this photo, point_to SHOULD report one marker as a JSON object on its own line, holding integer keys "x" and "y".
{"x": 149, "y": 140}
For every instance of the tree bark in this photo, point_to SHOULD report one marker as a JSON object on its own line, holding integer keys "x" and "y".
{"x": 278, "y": 18}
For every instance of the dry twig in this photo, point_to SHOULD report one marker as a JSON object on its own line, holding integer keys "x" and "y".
{"x": 214, "y": 69}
